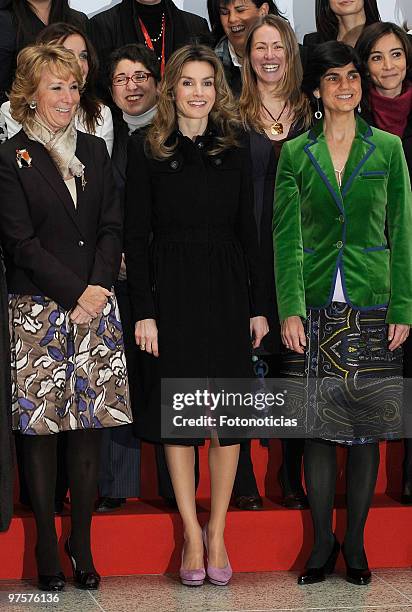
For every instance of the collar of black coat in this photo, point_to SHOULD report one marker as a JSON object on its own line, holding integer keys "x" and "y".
{"x": 208, "y": 137}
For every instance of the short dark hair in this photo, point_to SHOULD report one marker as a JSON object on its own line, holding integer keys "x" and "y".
{"x": 134, "y": 53}
{"x": 332, "y": 54}
{"x": 327, "y": 22}
{"x": 214, "y": 15}
{"x": 372, "y": 33}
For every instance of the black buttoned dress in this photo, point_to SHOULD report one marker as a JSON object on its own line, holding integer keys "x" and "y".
{"x": 193, "y": 264}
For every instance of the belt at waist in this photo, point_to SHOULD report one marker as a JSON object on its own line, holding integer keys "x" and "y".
{"x": 195, "y": 235}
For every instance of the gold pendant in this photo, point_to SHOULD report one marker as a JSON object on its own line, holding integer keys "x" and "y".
{"x": 276, "y": 128}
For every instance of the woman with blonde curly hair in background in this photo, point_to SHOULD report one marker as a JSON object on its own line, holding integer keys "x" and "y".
{"x": 60, "y": 230}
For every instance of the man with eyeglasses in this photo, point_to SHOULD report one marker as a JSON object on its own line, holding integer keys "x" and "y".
{"x": 157, "y": 24}
{"x": 134, "y": 76}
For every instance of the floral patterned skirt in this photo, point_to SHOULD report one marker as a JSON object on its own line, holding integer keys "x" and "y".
{"x": 66, "y": 376}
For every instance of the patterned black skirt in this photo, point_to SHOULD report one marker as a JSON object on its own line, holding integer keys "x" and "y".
{"x": 347, "y": 387}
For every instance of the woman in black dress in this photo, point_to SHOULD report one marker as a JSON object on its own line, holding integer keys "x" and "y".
{"x": 21, "y": 22}
{"x": 386, "y": 52}
{"x": 338, "y": 20}
{"x": 197, "y": 292}
{"x": 268, "y": 95}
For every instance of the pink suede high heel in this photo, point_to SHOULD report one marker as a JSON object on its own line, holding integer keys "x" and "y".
{"x": 217, "y": 575}
{"x": 195, "y": 577}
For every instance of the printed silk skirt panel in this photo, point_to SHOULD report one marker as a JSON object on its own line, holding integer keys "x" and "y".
{"x": 348, "y": 386}
{"x": 66, "y": 376}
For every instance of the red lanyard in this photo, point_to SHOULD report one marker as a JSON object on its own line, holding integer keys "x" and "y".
{"x": 149, "y": 43}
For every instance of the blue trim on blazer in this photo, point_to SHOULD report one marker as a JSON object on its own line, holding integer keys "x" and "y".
{"x": 361, "y": 163}
{"x": 339, "y": 201}
{"x": 320, "y": 171}
{"x": 375, "y": 248}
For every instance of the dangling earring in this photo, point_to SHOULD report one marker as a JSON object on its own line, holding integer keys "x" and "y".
{"x": 318, "y": 114}
{"x": 33, "y": 105}
{"x": 359, "y": 108}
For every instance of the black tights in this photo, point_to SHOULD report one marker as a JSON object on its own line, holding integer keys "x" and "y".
{"x": 291, "y": 469}
{"x": 320, "y": 476}
{"x": 40, "y": 464}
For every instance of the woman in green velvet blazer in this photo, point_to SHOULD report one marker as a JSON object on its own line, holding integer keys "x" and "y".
{"x": 343, "y": 267}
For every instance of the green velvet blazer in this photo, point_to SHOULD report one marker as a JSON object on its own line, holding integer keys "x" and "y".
{"x": 363, "y": 229}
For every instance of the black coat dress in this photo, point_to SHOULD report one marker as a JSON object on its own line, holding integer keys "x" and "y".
{"x": 201, "y": 277}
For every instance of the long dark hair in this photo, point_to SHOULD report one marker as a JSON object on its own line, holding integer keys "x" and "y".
{"x": 60, "y": 11}
{"x": 214, "y": 15}
{"x": 331, "y": 54}
{"x": 327, "y": 23}
{"x": 372, "y": 33}
{"x": 57, "y": 34}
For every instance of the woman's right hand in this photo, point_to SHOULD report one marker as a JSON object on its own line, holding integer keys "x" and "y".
{"x": 293, "y": 334}
{"x": 145, "y": 334}
{"x": 94, "y": 299}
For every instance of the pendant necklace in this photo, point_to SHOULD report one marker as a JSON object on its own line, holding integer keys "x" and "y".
{"x": 276, "y": 128}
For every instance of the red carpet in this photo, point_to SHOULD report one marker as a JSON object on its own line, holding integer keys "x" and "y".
{"x": 145, "y": 538}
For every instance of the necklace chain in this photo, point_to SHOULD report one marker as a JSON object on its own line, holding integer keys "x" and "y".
{"x": 276, "y": 128}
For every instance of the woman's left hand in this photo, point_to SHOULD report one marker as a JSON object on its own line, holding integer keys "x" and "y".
{"x": 80, "y": 316}
{"x": 397, "y": 334}
{"x": 258, "y": 329}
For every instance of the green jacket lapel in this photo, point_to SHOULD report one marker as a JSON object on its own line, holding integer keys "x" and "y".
{"x": 317, "y": 151}
{"x": 360, "y": 152}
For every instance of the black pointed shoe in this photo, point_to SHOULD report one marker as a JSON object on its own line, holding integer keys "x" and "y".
{"x": 318, "y": 574}
{"x": 360, "y": 577}
{"x": 82, "y": 579}
{"x": 54, "y": 582}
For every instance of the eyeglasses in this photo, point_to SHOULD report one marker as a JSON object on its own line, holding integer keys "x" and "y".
{"x": 137, "y": 78}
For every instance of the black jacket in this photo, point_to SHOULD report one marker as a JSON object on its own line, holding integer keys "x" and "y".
{"x": 11, "y": 43}
{"x": 52, "y": 248}
{"x": 6, "y": 438}
{"x": 312, "y": 39}
{"x": 118, "y": 26}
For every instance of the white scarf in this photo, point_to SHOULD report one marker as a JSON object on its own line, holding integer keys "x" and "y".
{"x": 135, "y": 122}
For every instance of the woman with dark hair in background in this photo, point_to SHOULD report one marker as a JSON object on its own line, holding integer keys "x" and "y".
{"x": 231, "y": 21}
{"x": 342, "y": 20}
{"x": 92, "y": 117}
{"x": 343, "y": 262}
{"x": 268, "y": 95}
{"x": 21, "y": 22}
{"x": 386, "y": 53}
